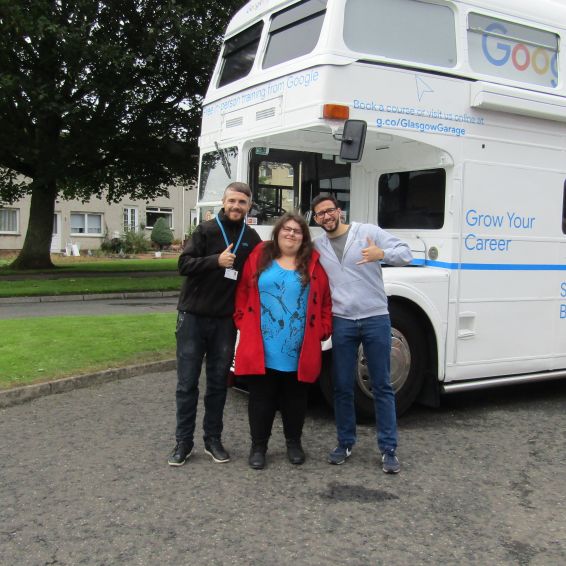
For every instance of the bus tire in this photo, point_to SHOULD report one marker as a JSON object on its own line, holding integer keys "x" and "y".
{"x": 408, "y": 357}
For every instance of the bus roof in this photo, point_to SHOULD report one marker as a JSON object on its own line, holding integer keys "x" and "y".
{"x": 547, "y": 12}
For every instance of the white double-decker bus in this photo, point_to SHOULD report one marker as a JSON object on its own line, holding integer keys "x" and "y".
{"x": 464, "y": 158}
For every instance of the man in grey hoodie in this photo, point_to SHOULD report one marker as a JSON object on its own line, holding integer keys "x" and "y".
{"x": 351, "y": 256}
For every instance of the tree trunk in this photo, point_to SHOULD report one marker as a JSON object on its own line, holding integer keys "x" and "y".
{"x": 36, "y": 252}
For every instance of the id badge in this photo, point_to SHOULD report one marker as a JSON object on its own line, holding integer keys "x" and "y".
{"x": 231, "y": 274}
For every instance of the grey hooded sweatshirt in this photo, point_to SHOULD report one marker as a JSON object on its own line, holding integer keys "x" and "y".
{"x": 357, "y": 290}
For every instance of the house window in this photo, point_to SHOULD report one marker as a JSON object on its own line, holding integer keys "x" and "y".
{"x": 9, "y": 220}
{"x": 86, "y": 223}
{"x": 152, "y": 213}
{"x": 131, "y": 218}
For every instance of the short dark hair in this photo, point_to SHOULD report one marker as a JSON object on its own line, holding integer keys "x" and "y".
{"x": 238, "y": 187}
{"x": 321, "y": 198}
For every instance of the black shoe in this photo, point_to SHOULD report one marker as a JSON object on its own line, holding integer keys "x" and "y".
{"x": 295, "y": 453}
{"x": 180, "y": 453}
{"x": 257, "y": 458}
{"x": 213, "y": 447}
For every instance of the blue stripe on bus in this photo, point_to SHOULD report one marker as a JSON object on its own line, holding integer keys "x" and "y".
{"x": 490, "y": 266}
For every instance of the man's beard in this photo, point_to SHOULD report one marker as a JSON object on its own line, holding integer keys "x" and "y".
{"x": 232, "y": 212}
{"x": 330, "y": 227}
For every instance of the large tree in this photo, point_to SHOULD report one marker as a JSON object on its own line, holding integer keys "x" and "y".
{"x": 100, "y": 97}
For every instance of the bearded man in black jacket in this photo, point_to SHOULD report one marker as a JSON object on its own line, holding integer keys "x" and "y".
{"x": 211, "y": 262}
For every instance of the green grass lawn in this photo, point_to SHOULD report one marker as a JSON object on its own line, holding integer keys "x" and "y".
{"x": 41, "y": 349}
{"x": 163, "y": 264}
{"x": 70, "y": 264}
{"x": 85, "y": 285}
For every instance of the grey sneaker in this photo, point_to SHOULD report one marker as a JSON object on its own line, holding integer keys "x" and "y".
{"x": 339, "y": 454}
{"x": 390, "y": 462}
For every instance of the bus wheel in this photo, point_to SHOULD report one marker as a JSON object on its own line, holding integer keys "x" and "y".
{"x": 407, "y": 365}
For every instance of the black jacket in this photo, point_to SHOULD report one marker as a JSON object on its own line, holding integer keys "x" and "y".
{"x": 206, "y": 291}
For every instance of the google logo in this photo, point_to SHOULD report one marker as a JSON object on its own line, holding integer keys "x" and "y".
{"x": 522, "y": 56}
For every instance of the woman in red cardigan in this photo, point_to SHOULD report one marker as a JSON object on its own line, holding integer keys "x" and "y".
{"x": 283, "y": 312}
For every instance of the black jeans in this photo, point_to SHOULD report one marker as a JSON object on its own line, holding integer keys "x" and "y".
{"x": 276, "y": 390}
{"x": 198, "y": 336}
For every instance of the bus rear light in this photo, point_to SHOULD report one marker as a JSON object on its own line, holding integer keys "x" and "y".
{"x": 335, "y": 112}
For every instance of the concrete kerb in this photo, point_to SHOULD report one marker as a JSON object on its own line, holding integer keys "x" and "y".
{"x": 19, "y": 395}
{"x": 88, "y": 297}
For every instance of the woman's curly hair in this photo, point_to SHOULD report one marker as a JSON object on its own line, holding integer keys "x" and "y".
{"x": 272, "y": 251}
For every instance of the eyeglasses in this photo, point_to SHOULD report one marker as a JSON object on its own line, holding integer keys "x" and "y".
{"x": 295, "y": 231}
{"x": 323, "y": 213}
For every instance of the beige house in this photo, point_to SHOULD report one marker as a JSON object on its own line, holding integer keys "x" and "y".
{"x": 85, "y": 225}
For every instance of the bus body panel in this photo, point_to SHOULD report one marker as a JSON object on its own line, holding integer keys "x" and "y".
{"x": 491, "y": 277}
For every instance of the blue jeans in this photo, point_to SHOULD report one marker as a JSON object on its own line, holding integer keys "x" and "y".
{"x": 374, "y": 333}
{"x": 198, "y": 336}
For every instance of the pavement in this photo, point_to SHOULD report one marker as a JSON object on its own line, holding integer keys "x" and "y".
{"x": 84, "y": 480}
{"x": 55, "y": 305}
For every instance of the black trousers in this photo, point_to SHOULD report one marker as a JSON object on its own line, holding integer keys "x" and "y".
{"x": 198, "y": 336}
{"x": 276, "y": 390}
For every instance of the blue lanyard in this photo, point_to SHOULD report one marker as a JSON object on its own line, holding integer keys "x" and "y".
{"x": 235, "y": 249}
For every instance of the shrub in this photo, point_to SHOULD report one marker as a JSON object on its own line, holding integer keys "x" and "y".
{"x": 131, "y": 242}
{"x": 135, "y": 241}
{"x": 111, "y": 245}
{"x": 161, "y": 233}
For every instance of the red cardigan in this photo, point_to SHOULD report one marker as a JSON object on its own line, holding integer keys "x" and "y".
{"x": 250, "y": 357}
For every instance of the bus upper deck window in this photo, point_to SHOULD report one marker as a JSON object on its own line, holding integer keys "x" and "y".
{"x": 294, "y": 32}
{"x": 407, "y": 30}
{"x": 239, "y": 53}
{"x": 512, "y": 51}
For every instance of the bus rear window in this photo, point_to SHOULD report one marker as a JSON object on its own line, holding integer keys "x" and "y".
{"x": 294, "y": 32}
{"x": 412, "y": 199}
{"x": 239, "y": 54}
{"x": 410, "y": 31}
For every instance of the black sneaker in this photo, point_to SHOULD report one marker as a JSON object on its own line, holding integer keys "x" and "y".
{"x": 213, "y": 447}
{"x": 180, "y": 453}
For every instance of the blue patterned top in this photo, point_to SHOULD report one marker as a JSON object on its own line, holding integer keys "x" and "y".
{"x": 283, "y": 314}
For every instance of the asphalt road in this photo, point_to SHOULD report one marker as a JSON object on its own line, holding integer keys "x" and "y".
{"x": 92, "y": 307}
{"x": 84, "y": 480}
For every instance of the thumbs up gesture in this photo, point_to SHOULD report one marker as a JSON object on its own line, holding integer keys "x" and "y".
{"x": 226, "y": 258}
{"x": 371, "y": 253}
